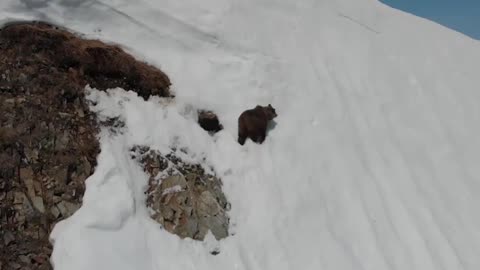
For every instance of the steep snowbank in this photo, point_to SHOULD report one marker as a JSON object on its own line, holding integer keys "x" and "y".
{"x": 372, "y": 163}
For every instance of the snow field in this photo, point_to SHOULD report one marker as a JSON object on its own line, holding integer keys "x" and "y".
{"x": 372, "y": 163}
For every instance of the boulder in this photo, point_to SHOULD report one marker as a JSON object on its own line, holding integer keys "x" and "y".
{"x": 186, "y": 200}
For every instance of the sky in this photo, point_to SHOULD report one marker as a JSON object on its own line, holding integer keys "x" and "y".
{"x": 460, "y": 15}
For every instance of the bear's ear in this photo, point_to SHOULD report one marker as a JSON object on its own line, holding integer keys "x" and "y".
{"x": 270, "y": 106}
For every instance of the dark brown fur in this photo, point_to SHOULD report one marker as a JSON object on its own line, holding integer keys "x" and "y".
{"x": 253, "y": 123}
{"x": 209, "y": 121}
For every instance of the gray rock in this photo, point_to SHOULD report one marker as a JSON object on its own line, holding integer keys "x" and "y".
{"x": 212, "y": 216}
{"x": 19, "y": 197}
{"x": 8, "y": 237}
{"x": 9, "y": 101}
{"x": 62, "y": 141}
{"x": 38, "y": 204}
{"x": 188, "y": 202}
{"x": 87, "y": 167}
{"x": 14, "y": 265}
{"x": 55, "y": 212}
{"x": 67, "y": 208}
{"x": 26, "y": 174}
{"x": 31, "y": 154}
{"x": 61, "y": 177}
{"x": 79, "y": 110}
{"x": 56, "y": 199}
{"x": 22, "y": 78}
{"x": 24, "y": 259}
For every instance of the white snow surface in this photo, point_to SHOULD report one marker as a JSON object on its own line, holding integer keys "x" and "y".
{"x": 372, "y": 163}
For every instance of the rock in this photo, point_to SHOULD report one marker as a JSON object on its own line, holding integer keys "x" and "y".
{"x": 39, "y": 259}
{"x": 24, "y": 259}
{"x": 19, "y": 198}
{"x": 79, "y": 111}
{"x": 55, "y": 211}
{"x": 37, "y": 185}
{"x": 26, "y": 174}
{"x": 209, "y": 121}
{"x": 187, "y": 202}
{"x": 87, "y": 167}
{"x": 56, "y": 199}
{"x": 8, "y": 135}
{"x": 67, "y": 208}
{"x": 173, "y": 184}
{"x": 22, "y": 208}
{"x": 63, "y": 140}
{"x": 32, "y": 155}
{"x": 38, "y": 204}
{"x": 14, "y": 265}
{"x": 10, "y": 101}
{"x": 22, "y": 78}
{"x": 8, "y": 237}
{"x": 212, "y": 216}
{"x": 62, "y": 208}
{"x": 61, "y": 176}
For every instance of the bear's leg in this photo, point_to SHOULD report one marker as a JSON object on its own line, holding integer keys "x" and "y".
{"x": 242, "y": 132}
{"x": 242, "y": 137}
{"x": 261, "y": 135}
{"x": 241, "y": 140}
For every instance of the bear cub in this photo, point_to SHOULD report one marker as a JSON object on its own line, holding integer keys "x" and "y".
{"x": 209, "y": 121}
{"x": 253, "y": 123}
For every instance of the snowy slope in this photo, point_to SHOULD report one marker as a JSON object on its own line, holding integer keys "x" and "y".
{"x": 372, "y": 163}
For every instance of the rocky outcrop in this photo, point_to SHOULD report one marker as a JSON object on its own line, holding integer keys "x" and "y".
{"x": 48, "y": 143}
{"x": 183, "y": 198}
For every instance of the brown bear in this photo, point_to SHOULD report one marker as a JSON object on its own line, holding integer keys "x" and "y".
{"x": 253, "y": 123}
{"x": 209, "y": 121}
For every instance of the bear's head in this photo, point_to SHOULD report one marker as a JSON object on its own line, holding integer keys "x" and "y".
{"x": 270, "y": 112}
